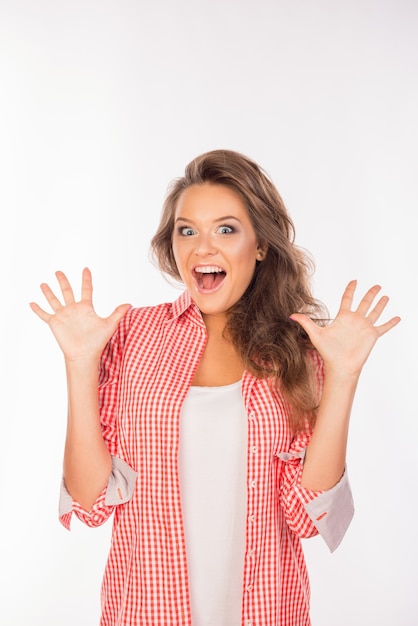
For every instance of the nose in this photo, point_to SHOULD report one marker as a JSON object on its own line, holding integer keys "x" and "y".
{"x": 205, "y": 246}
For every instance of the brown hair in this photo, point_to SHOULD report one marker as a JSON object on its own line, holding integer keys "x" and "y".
{"x": 270, "y": 344}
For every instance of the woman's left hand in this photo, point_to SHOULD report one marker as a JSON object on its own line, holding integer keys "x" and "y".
{"x": 347, "y": 341}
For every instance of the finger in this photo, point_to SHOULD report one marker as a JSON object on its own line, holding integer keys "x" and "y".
{"x": 40, "y": 312}
{"x": 51, "y": 297}
{"x": 377, "y": 311}
{"x": 66, "y": 289}
{"x": 118, "y": 313}
{"x": 86, "y": 285}
{"x": 384, "y": 328}
{"x": 348, "y": 296}
{"x": 367, "y": 301}
{"x": 307, "y": 324}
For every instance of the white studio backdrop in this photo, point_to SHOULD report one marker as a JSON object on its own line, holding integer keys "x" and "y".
{"x": 102, "y": 104}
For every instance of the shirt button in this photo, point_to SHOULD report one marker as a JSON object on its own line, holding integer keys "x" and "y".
{"x": 252, "y": 519}
{"x": 251, "y": 553}
{"x": 253, "y": 484}
{"x": 249, "y": 588}
{"x": 251, "y": 415}
{"x": 254, "y": 449}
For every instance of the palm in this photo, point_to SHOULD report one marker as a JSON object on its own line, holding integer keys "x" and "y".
{"x": 79, "y": 331}
{"x": 346, "y": 343}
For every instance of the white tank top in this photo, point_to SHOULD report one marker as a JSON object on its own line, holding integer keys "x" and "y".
{"x": 213, "y": 476}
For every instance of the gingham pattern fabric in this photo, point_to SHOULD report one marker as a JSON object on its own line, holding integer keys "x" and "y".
{"x": 146, "y": 371}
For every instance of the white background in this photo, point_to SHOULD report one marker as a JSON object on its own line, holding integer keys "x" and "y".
{"x": 102, "y": 104}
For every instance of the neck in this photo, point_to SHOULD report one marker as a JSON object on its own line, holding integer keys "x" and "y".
{"x": 215, "y": 324}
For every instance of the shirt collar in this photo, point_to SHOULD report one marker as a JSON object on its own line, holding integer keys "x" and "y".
{"x": 185, "y": 305}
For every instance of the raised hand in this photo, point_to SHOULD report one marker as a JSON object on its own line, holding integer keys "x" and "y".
{"x": 79, "y": 331}
{"x": 347, "y": 341}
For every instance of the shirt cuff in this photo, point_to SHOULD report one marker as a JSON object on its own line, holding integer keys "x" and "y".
{"x": 119, "y": 490}
{"x": 332, "y": 511}
{"x": 121, "y": 484}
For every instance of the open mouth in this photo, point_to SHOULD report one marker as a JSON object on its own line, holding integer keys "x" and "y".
{"x": 208, "y": 277}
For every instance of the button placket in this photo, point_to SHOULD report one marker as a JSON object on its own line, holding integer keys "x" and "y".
{"x": 252, "y": 518}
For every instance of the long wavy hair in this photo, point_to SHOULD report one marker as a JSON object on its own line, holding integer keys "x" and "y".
{"x": 271, "y": 345}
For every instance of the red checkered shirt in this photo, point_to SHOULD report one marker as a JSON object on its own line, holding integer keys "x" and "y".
{"x": 146, "y": 372}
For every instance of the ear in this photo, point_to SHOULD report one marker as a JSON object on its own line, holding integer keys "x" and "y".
{"x": 261, "y": 252}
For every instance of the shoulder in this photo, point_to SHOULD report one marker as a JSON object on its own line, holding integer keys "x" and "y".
{"x": 138, "y": 318}
{"x": 144, "y": 319}
{"x": 158, "y": 312}
{"x": 153, "y": 316}
{"x": 136, "y": 325}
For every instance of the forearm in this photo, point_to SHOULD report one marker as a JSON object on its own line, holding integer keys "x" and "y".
{"x": 87, "y": 461}
{"x": 326, "y": 452}
{"x": 344, "y": 346}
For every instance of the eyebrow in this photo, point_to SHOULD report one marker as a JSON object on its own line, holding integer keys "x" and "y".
{"x": 220, "y": 219}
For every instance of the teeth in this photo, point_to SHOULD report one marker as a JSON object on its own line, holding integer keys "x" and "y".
{"x": 208, "y": 269}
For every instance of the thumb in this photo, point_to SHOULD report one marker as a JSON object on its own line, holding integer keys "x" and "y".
{"x": 118, "y": 313}
{"x": 307, "y": 324}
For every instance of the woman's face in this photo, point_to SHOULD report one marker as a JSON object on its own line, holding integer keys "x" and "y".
{"x": 215, "y": 246}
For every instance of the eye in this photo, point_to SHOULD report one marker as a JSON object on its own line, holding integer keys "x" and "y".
{"x": 186, "y": 231}
{"x": 225, "y": 230}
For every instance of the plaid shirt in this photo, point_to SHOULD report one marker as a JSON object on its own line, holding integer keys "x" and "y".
{"x": 146, "y": 372}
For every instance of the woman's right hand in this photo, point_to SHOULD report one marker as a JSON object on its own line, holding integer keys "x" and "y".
{"x": 79, "y": 331}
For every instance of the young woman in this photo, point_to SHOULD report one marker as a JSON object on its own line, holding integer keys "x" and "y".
{"x": 214, "y": 428}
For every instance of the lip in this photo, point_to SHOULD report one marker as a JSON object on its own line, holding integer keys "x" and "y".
{"x": 207, "y": 268}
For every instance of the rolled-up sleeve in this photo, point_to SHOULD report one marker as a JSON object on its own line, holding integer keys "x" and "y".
{"x": 309, "y": 512}
{"x": 331, "y": 511}
{"x": 118, "y": 490}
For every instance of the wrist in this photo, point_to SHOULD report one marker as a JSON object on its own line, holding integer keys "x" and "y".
{"x": 82, "y": 364}
{"x": 341, "y": 373}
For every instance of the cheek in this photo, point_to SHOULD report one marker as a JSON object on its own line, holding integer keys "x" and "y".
{"x": 245, "y": 264}
{"x": 176, "y": 248}
{"x": 246, "y": 251}
{"x": 180, "y": 257}
{"x": 176, "y": 256}
{"x": 250, "y": 253}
